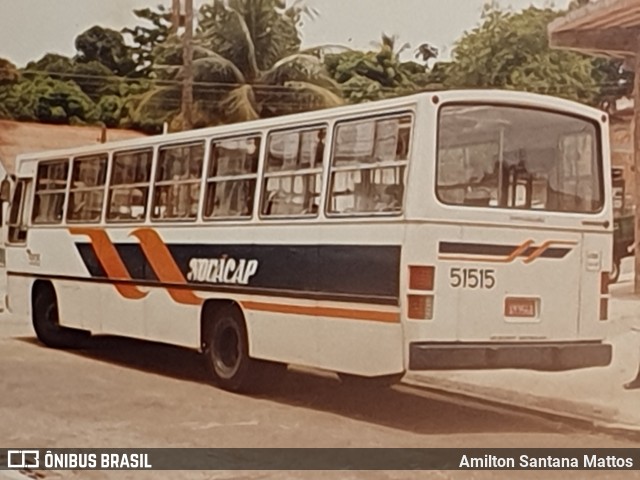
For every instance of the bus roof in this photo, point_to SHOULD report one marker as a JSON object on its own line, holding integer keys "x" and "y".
{"x": 409, "y": 101}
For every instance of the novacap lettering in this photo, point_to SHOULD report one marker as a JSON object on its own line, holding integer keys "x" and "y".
{"x": 124, "y": 461}
{"x": 222, "y": 270}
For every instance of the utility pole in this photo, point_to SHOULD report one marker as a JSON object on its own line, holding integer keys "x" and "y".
{"x": 187, "y": 59}
{"x": 636, "y": 161}
{"x": 175, "y": 16}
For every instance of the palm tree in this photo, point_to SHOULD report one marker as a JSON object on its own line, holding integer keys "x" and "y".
{"x": 379, "y": 73}
{"x": 247, "y": 64}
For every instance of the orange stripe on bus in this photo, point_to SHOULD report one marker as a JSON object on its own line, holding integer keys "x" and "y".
{"x": 164, "y": 265}
{"x": 373, "y": 315}
{"x": 508, "y": 259}
{"x": 474, "y": 259}
{"x": 110, "y": 260}
{"x": 167, "y": 271}
{"x": 518, "y": 251}
{"x": 513, "y": 255}
{"x": 542, "y": 248}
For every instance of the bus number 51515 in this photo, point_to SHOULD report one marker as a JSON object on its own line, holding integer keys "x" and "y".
{"x": 472, "y": 277}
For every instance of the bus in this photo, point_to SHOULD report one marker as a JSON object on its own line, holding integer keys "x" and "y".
{"x": 624, "y": 223}
{"x": 443, "y": 230}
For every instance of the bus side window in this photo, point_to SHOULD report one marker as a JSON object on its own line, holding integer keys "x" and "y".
{"x": 293, "y": 173}
{"x": 51, "y": 185}
{"x": 232, "y": 178}
{"x": 86, "y": 195}
{"x": 177, "y": 183}
{"x": 129, "y": 185}
{"x": 17, "y": 222}
{"x": 369, "y": 164}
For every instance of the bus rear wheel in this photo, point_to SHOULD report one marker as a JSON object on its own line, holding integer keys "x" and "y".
{"x": 46, "y": 322}
{"x": 227, "y": 355}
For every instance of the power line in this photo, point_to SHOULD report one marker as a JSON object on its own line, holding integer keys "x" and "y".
{"x": 187, "y": 55}
{"x": 167, "y": 82}
{"x": 226, "y": 87}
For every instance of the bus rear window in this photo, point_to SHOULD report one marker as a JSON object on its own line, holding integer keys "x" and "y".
{"x": 509, "y": 157}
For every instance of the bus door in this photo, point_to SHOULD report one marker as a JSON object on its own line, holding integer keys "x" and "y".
{"x": 523, "y": 186}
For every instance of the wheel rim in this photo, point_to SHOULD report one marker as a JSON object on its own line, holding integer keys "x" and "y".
{"x": 226, "y": 352}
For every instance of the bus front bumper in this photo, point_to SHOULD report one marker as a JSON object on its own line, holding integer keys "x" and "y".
{"x": 532, "y": 356}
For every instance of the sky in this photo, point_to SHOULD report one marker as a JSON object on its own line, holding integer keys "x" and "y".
{"x": 31, "y": 28}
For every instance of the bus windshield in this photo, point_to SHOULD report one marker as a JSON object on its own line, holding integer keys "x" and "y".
{"x": 514, "y": 157}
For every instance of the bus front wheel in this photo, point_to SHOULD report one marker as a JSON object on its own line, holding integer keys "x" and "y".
{"x": 46, "y": 322}
{"x": 227, "y": 355}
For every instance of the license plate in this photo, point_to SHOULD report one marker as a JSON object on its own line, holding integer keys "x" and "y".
{"x": 520, "y": 307}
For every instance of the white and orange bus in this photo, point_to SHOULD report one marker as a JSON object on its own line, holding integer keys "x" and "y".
{"x": 449, "y": 230}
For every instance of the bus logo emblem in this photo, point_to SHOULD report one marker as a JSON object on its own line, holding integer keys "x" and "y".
{"x": 484, "y": 252}
{"x": 222, "y": 270}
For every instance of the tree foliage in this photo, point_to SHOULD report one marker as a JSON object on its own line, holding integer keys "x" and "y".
{"x": 87, "y": 88}
{"x": 8, "y": 72}
{"x": 374, "y": 75}
{"x": 613, "y": 80}
{"x": 146, "y": 38}
{"x": 94, "y": 78}
{"x": 511, "y": 51}
{"x": 253, "y": 34}
{"x": 247, "y": 65}
{"x": 48, "y": 100}
{"x": 106, "y": 47}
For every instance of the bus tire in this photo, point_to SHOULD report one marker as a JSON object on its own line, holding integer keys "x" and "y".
{"x": 227, "y": 355}
{"x": 46, "y": 322}
{"x": 357, "y": 381}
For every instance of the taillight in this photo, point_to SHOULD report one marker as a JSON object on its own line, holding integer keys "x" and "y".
{"x": 419, "y": 304}
{"x": 421, "y": 277}
{"x": 420, "y": 307}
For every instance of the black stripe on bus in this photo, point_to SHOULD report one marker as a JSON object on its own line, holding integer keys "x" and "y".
{"x": 135, "y": 261}
{"x": 497, "y": 250}
{"x": 345, "y": 270}
{"x": 90, "y": 259}
{"x": 230, "y": 289}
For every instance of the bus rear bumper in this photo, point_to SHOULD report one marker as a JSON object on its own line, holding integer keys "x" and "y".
{"x": 532, "y": 356}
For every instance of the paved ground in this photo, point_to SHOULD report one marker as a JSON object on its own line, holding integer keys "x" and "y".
{"x": 124, "y": 393}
